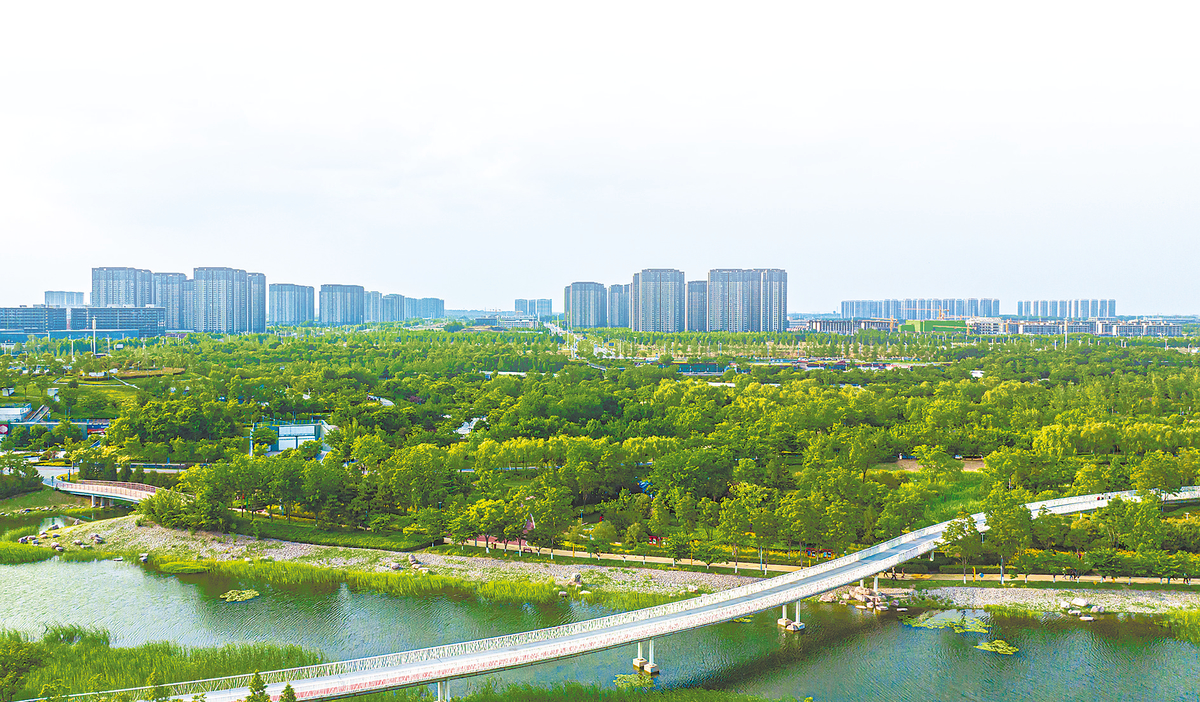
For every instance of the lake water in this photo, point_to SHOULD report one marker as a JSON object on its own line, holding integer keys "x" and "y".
{"x": 845, "y": 653}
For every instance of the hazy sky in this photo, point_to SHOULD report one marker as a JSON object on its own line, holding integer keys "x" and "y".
{"x": 481, "y": 152}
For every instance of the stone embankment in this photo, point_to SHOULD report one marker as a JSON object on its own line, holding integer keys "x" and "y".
{"x": 1050, "y": 600}
{"x": 123, "y": 535}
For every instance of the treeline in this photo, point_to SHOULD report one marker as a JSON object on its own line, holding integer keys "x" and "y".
{"x": 17, "y": 476}
{"x": 795, "y": 457}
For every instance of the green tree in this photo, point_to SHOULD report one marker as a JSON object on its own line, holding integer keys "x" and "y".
{"x": 938, "y": 465}
{"x": 161, "y": 693}
{"x": 603, "y": 536}
{"x": 258, "y": 690}
{"x": 961, "y": 539}
{"x": 288, "y": 694}
{"x": 1010, "y": 524}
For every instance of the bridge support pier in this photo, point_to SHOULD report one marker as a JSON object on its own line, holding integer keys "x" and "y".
{"x": 639, "y": 662}
{"x": 649, "y": 666}
{"x": 443, "y": 691}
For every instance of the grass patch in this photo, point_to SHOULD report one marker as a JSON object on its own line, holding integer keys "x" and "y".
{"x": 412, "y": 584}
{"x": 1184, "y": 624}
{"x": 182, "y": 567}
{"x": 17, "y": 532}
{"x": 1177, "y": 586}
{"x": 1012, "y": 612}
{"x": 14, "y": 554}
{"x": 83, "y": 661}
{"x": 631, "y": 562}
{"x": 306, "y": 534}
{"x": 45, "y": 497}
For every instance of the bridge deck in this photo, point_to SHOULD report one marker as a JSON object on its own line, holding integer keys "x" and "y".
{"x": 424, "y": 666}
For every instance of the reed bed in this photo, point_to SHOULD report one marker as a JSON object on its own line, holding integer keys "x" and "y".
{"x": 81, "y": 660}
{"x": 1184, "y": 624}
{"x": 17, "y": 532}
{"x": 308, "y": 534}
{"x": 1012, "y": 612}
{"x": 13, "y": 554}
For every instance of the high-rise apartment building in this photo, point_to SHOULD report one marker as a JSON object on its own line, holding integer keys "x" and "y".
{"x": 125, "y": 287}
{"x": 697, "y": 305}
{"x": 424, "y": 308}
{"x": 168, "y": 294}
{"x": 341, "y": 305}
{"x": 1067, "y": 309}
{"x": 188, "y": 295}
{"x": 221, "y": 300}
{"x": 64, "y": 298}
{"x": 257, "y": 302}
{"x": 291, "y": 304}
{"x": 743, "y": 300}
{"x": 772, "y": 312}
{"x": 658, "y": 300}
{"x": 392, "y": 307}
{"x": 373, "y": 306}
{"x": 588, "y": 305}
{"x": 618, "y": 306}
{"x": 921, "y": 308}
{"x": 533, "y": 307}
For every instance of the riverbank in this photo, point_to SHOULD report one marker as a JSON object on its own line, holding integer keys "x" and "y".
{"x": 123, "y": 535}
{"x": 1043, "y": 599}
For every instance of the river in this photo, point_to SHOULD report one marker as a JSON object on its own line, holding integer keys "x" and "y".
{"x": 845, "y": 653}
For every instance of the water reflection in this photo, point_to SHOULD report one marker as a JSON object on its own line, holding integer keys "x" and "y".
{"x": 844, "y": 654}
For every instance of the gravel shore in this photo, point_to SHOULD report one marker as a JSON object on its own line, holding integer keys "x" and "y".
{"x": 1048, "y": 600}
{"x": 123, "y": 534}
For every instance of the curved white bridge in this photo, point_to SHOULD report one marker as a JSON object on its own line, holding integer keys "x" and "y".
{"x": 104, "y": 491}
{"x": 442, "y": 663}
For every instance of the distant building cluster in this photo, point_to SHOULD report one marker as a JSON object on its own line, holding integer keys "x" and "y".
{"x": 1067, "y": 309}
{"x": 663, "y": 300}
{"x": 539, "y": 308}
{"x": 128, "y": 302}
{"x": 921, "y": 308}
{"x": 990, "y": 326}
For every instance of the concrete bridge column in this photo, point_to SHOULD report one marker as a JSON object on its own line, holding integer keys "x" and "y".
{"x": 639, "y": 662}
{"x": 650, "y": 667}
{"x": 93, "y": 497}
{"x": 443, "y": 691}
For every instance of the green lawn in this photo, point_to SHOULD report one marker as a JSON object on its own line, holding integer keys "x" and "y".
{"x": 107, "y": 390}
{"x": 43, "y": 498}
{"x": 306, "y": 533}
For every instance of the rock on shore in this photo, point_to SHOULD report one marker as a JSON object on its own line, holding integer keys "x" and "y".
{"x": 1049, "y": 600}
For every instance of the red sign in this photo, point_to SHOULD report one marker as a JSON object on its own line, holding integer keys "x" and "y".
{"x": 3, "y": 429}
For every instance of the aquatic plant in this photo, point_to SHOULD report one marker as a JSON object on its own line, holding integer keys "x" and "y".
{"x": 998, "y": 646}
{"x": 239, "y": 595}
{"x": 519, "y": 591}
{"x": 17, "y": 532}
{"x": 1011, "y": 611}
{"x": 1184, "y": 624}
{"x": 13, "y": 554}
{"x": 182, "y": 567}
{"x": 962, "y": 625}
{"x": 79, "y": 659}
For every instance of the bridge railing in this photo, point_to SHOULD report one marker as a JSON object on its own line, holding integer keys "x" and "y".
{"x": 700, "y": 614}
{"x": 106, "y": 489}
